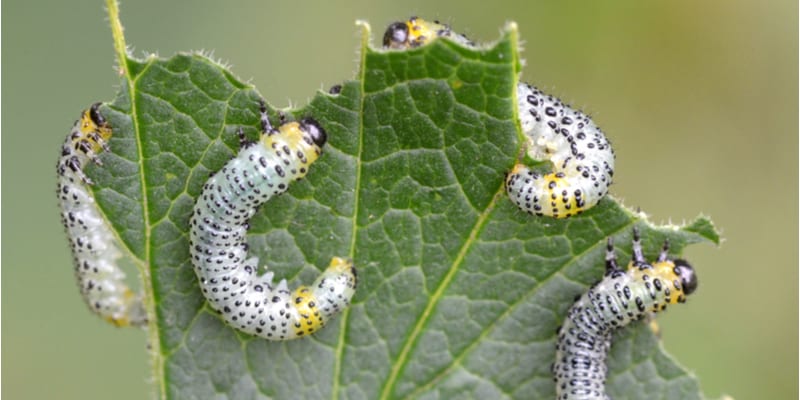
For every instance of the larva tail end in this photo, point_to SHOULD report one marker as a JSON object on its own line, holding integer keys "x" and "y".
{"x": 340, "y": 265}
{"x": 118, "y": 322}
{"x": 518, "y": 169}
{"x": 337, "y": 284}
{"x": 129, "y": 310}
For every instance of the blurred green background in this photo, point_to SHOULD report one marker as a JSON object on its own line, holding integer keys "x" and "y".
{"x": 699, "y": 98}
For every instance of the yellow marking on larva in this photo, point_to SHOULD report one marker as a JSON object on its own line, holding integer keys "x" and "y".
{"x": 119, "y": 322}
{"x": 308, "y": 305}
{"x": 129, "y": 297}
{"x": 556, "y": 199}
{"x": 664, "y": 271}
{"x": 421, "y": 31}
{"x": 518, "y": 168}
{"x": 340, "y": 265}
{"x": 292, "y": 136}
{"x": 653, "y": 325}
{"x": 310, "y": 318}
{"x": 89, "y": 129}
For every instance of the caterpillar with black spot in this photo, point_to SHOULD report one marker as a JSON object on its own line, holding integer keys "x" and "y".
{"x": 621, "y": 297}
{"x": 581, "y": 156}
{"x": 228, "y": 276}
{"x": 94, "y": 250}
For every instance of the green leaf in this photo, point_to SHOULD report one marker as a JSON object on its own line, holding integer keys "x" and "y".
{"x": 460, "y": 293}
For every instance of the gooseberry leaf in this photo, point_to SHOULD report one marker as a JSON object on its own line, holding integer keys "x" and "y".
{"x": 460, "y": 293}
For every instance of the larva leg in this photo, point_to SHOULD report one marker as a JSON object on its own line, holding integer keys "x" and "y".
{"x": 266, "y": 127}
{"x": 637, "y": 257}
{"x": 611, "y": 258}
{"x": 94, "y": 249}
{"x": 243, "y": 142}
{"x": 227, "y": 274}
{"x": 662, "y": 257}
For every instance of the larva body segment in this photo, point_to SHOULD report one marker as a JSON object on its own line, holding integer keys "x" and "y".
{"x": 228, "y": 276}
{"x": 621, "y": 297}
{"x": 582, "y": 158}
{"x": 94, "y": 250}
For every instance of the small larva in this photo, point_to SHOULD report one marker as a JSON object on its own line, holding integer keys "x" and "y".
{"x": 94, "y": 250}
{"x": 416, "y": 32}
{"x": 581, "y": 156}
{"x": 228, "y": 276}
{"x": 621, "y": 297}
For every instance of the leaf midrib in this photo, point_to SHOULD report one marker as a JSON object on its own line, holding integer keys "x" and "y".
{"x": 411, "y": 341}
{"x": 120, "y": 48}
{"x": 491, "y": 326}
{"x": 433, "y": 301}
{"x": 345, "y": 318}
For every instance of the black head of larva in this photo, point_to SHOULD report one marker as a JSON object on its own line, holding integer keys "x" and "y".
{"x": 335, "y": 89}
{"x": 688, "y": 277}
{"x": 312, "y": 127}
{"x": 94, "y": 114}
{"x": 396, "y": 34}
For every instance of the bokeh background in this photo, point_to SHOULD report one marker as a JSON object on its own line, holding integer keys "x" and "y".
{"x": 699, "y": 98}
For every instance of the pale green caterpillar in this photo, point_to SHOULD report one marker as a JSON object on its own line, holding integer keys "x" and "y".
{"x": 621, "y": 297}
{"x": 228, "y": 275}
{"x": 94, "y": 250}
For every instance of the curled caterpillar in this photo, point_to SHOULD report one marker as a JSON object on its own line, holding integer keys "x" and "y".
{"x": 94, "y": 250}
{"x": 583, "y": 161}
{"x": 228, "y": 277}
{"x": 581, "y": 156}
{"x": 621, "y": 297}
